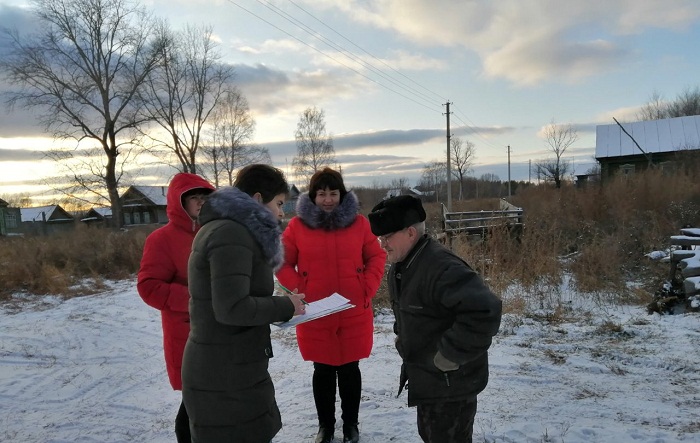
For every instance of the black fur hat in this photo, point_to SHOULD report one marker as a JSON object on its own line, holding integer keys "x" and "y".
{"x": 395, "y": 214}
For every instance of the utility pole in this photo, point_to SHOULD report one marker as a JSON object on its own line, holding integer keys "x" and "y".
{"x": 508, "y": 170}
{"x": 449, "y": 172}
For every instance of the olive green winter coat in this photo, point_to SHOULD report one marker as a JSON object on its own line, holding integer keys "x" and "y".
{"x": 227, "y": 388}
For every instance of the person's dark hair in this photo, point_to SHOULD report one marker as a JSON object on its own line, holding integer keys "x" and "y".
{"x": 326, "y": 178}
{"x": 195, "y": 191}
{"x": 265, "y": 179}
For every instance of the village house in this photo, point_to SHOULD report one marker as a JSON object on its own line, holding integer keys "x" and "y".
{"x": 658, "y": 143}
{"x": 143, "y": 205}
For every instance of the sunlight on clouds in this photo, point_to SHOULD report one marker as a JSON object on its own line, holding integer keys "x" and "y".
{"x": 525, "y": 42}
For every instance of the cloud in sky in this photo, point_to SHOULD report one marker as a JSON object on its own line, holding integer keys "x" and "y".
{"x": 526, "y": 41}
{"x": 509, "y": 67}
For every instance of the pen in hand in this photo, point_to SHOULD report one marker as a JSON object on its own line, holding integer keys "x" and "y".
{"x": 289, "y": 292}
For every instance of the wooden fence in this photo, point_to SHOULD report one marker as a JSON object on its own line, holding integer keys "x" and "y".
{"x": 479, "y": 222}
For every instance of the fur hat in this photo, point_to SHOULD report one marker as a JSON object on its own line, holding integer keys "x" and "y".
{"x": 395, "y": 214}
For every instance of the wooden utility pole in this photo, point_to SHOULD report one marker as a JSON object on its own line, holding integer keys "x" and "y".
{"x": 508, "y": 170}
{"x": 449, "y": 171}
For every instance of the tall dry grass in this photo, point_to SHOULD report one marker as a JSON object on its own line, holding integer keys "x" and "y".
{"x": 58, "y": 264}
{"x": 593, "y": 239}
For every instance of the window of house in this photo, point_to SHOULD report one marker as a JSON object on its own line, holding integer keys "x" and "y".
{"x": 127, "y": 218}
{"x": 10, "y": 221}
{"x": 667, "y": 168}
{"x": 146, "y": 217}
{"x": 137, "y": 218}
{"x": 627, "y": 169}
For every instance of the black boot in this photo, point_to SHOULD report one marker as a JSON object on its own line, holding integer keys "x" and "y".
{"x": 325, "y": 434}
{"x": 350, "y": 433}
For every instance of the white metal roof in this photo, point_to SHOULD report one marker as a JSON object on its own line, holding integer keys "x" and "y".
{"x": 666, "y": 135}
{"x": 35, "y": 214}
{"x": 156, "y": 194}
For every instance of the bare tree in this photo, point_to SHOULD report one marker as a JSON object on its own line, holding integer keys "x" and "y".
{"x": 558, "y": 138}
{"x": 399, "y": 183}
{"x": 462, "y": 157}
{"x": 433, "y": 177}
{"x": 655, "y": 109}
{"x": 184, "y": 90}
{"x": 230, "y": 149}
{"x": 314, "y": 144}
{"x": 686, "y": 103}
{"x": 81, "y": 72}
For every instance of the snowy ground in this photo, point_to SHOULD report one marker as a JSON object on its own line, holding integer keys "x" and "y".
{"x": 91, "y": 369}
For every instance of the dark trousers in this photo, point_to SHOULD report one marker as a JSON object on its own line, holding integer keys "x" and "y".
{"x": 182, "y": 425}
{"x": 449, "y": 422}
{"x": 349, "y": 387}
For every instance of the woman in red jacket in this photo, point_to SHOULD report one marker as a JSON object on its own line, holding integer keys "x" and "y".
{"x": 162, "y": 279}
{"x": 329, "y": 248}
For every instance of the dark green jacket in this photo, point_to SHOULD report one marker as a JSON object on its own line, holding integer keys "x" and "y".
{"x": 227, "y": 389}
{"x": 440, "y": 303}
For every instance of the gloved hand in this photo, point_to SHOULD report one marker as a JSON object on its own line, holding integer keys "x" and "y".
{"x": 443, "y": 363}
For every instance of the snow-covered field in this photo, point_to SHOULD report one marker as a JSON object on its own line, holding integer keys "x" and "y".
{"x": 91, "y": 369}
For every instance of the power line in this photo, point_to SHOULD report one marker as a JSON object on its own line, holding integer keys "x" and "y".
{"x": 436, "y": 95}
{"x": 325, "y": 54}
{"x": 415, "y": 94}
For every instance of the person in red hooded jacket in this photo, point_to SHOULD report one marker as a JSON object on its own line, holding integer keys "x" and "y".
{"x": 329, "y": 247}
{"x": 162, "y": 278}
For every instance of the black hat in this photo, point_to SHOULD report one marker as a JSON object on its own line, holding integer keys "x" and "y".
{"x": 395, "y": 214}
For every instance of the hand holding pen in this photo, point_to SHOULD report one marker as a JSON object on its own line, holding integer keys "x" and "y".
{"x": 296, "y": 298}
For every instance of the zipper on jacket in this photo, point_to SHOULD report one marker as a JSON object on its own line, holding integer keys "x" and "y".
{"x": 447, "y": 378}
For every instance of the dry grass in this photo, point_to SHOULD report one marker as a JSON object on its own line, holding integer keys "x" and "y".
{"x": 594, "y": 239}
{"x": 57, "y": 264}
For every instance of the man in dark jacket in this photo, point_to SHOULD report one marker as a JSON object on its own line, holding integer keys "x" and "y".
{"x": 445, "y": 318}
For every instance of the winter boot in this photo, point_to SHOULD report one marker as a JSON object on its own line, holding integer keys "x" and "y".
{"x": 350, "y": 433}
{"x": 325, "y": 434}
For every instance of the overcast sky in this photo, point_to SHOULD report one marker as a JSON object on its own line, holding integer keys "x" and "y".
{"x": 508, "y": 68}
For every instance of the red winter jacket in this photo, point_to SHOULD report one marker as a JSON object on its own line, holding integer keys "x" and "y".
{"x": 162, "y": 279}
{"x": 327, "y": 253}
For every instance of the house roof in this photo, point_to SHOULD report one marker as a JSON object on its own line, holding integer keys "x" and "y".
{"x": 156, "y": 194}
{"x": 653, "y": 136}
{"x": 3, "y": 203}
{"x": 97, "y": 213}
{"x": 44, "y": 213}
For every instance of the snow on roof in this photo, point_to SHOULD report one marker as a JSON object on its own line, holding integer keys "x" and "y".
{"x": 653, "y": 136}
{"x": 35, "y": 214}
{"x": 156, "y": 194}
{"x": 103, "y": 211}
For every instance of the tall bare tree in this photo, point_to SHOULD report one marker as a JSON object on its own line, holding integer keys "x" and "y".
{"x": 558, "y": 138}
{"x": 462, "y": 157}
{"x": 184, "y": 90}
{"x": 81, "y": 71}
{"x": 433, "y": 177}
{"x": 686, "y": 103}
{"x": 230, "y": 148}
{"x": 314, "y": 144}
{"x": 655, "y": 109}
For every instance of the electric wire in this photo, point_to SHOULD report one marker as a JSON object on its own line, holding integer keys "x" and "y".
{"x": 328, "y": 55}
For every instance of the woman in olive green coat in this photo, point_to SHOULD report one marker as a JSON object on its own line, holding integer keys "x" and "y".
{"x": 227, "y": 388}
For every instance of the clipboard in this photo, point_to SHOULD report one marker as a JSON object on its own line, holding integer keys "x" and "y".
{"x": 319, "y": 308}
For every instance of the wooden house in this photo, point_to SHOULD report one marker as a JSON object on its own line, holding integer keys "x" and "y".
{"x": 98, "y": 216}
{"x": 10, "y": 219}
{"x": 658, "y": 143}
{"x": 45, "y": 220}
{"x": 143, "y": 205}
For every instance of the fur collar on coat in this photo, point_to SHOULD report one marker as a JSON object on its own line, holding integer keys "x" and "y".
{"x": 233, "y": 204}
{"x": 341, "y": 217}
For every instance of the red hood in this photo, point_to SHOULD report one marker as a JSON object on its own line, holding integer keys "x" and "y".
{"x": 180, "y": 184}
